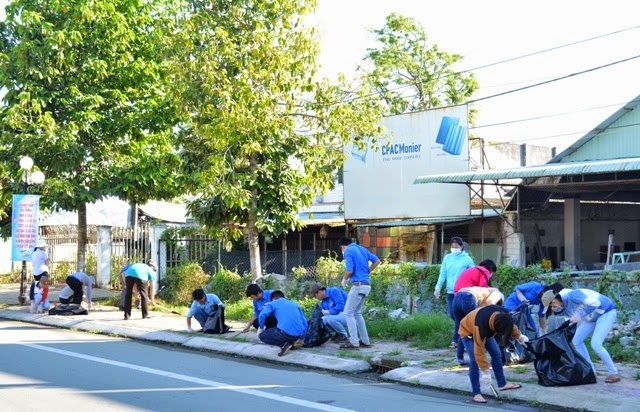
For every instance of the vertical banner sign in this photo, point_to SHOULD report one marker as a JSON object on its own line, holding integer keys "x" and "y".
{"x": 24, "y": 226}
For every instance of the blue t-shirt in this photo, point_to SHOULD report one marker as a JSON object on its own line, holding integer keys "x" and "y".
{"x": 335, "y": 300}
{"x": 140, "y": 271}
{"x": 291, "y": 319}
{"x": 357, "y": 260}
{"x": 207, "y": 306}
{"x": 259, "y": 304}
{"x": 531, "y": 291}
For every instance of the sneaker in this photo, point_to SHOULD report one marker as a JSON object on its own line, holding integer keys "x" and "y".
{"x": 285, "y": 349}
{"x": 340, "y": 338}
{"x": 462, "y": 362}
{"x": 365, "y": 345}
{"x": 349, "y": 345}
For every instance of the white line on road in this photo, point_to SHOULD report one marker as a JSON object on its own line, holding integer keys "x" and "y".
{"x": 204, "y": 382}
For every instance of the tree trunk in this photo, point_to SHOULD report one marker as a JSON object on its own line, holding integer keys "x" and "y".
{"x": 82, "y": 237}
{"x": 251, "y": 233}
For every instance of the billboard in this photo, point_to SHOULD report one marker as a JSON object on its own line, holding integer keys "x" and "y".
{"x": 378, "y": 184}
{"x": 24, "y": 226}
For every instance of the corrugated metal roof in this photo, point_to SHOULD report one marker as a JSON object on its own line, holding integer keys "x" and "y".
{"x": 546, "y": 170}
{"x": 475, "y": 214}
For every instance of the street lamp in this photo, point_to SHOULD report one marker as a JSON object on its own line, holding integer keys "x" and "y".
{"x": 28, "y": 179}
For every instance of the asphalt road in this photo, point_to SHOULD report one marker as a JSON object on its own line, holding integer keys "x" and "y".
{"x": 44, "y": 369}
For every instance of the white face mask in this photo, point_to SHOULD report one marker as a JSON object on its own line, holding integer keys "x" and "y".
{"x": 456, "y": 251}
{"x": 557, "y": 309}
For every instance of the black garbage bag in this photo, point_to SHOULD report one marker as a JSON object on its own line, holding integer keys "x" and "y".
{"x": 557, "y": 362}
{"x": 513, "y": 352}
{"x": 317, "y": 333}
{"x": 215, "y": 322}
{"x": 70, "y": 309}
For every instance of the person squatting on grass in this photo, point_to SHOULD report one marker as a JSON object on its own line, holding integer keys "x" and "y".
{"x": 260, "y": 299}
{"x": 595, "y": 315}
{"x": 452, "y": 267}
{"x": 359, "y": 263}
{"x": 332, "y": 301}
{"x": 477, "y": 330}
{"x": 291, "y": 323}
{"x": 203, "y": 306}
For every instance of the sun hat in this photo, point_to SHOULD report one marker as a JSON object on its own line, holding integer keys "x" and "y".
{"x": 41, "y": 243}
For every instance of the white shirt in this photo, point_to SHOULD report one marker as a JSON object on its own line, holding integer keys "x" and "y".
{"x": 39, "y": 261}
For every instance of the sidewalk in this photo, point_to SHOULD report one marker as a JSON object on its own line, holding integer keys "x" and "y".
{"x": 429, "y": 368}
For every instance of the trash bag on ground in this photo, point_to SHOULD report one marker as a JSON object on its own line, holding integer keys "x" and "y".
{"x": 70, "y": 309}
{"x": 215, "y": 322}
{"x": 513, "y": 352}
{"x": 557, "y": 362}
{"x": 317, "y": 332}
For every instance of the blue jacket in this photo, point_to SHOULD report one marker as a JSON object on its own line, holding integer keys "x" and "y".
{"x": 206, "y": 307}
{"x": 335, "y": 300}
{"x": 258, "y": 305}
{"x": 357, "y": 260}
{"x": 291, "y": 319}
{"x": 531, "y": 291}
{"x": 451, "y": 269}
{"x": 587, "y": 303}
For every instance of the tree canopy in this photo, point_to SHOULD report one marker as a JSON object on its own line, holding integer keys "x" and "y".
{"x": 411, "y": 74}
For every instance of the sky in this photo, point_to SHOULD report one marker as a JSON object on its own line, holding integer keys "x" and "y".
{"x": 491, "y": 31}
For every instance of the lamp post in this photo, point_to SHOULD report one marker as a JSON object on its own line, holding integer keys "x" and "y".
{"x": 28, "y": 179}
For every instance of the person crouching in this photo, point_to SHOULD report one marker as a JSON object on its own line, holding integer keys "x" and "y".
{"x": 292, "y": 324}
{"x": 40, "y": 300}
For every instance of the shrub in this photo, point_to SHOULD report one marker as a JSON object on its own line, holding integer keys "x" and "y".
{"x": 180, "y": 283}
{"x": 241, "y": 310}
{"x": 228, "y": 285}
{"x": 329, "y": 270}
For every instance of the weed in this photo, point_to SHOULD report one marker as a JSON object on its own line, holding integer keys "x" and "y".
{"x": 520, "y": 369}
{"x": 394, "y": 352}
{"x": 424, "y": 330}
{"x": 637, "y": 377}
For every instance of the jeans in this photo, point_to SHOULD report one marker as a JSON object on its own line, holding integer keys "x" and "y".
{"x": 337, "y": 323}
{"x": 450, "y": 296}
{"x": 201, "y": 316}
{"x": 143, "y": 287}
{"x": 353, "y": 314}
{"x": 463, "y": 304}
{"x": 598, "y": 331}
{"x": 496, "y": 363}
{"x": 277, "y": 337}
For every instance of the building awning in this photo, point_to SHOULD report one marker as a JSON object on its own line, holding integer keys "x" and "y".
{"x": 475, "y": 214}
{"x": 545, "y": 170}
{"x": 322, "y": 218}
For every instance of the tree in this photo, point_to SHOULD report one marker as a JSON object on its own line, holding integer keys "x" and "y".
{"x": 86, "y": 99}
{"x": 261, "y": 135}
{"x": 412, "y": 75}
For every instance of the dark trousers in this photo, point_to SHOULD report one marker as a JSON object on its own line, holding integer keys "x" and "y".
{"x": 277, "y": 337}
{"x": 269, "y": 322}
{"x": 143, "y": 287}
{"x": 76, "y": 286}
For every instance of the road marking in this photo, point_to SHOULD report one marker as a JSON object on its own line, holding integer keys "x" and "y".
{"x": 204, "y": 382}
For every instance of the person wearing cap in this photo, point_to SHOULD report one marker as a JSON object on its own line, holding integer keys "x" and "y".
{"x": 40, "y": 293}
{"x": 595, "y": 314}
{"x": 530, "y": 293}
{"x": 260, "y": 299}
{"x": 40, "y": 264}
{"x": 203, "y": 306}
{"x": 451, "y": 268}
{"x": 142, "y": 276}
{"x": 291, "y": 323}
{"x": 469, "y": 299}
{"x": 359, "y": 262}
{"x": 477, "y": 330}
{"x": 73, "y": 291}
{"x": 332, "y": 301}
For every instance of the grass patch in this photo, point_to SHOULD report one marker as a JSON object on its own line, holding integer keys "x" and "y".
{"x": 429, "y": 362}
{"x": 395, "y": 352}
{"x": 241, "y": 310}
{"x": 520, "y": 369}
{"x": 354, "y": 354}
{"x": 424, "y": 331}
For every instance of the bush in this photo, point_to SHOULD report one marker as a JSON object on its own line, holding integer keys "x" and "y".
{"x": 228, "y": 285}
{"x": 241, "y": 310}
{"x": 181, "y": 281}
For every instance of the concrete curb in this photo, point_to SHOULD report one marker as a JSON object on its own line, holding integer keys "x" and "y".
{"x": 212, "y": 343}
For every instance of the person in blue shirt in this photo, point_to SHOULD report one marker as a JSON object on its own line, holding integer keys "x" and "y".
{"x": 359, "y": 263}
{"x": 530, "y": 293}
{"x": 260, "y": 298}
{"x": 451, "y": 268}
{"x": 332, "y": 301}
{"x": 203, "y": 306}
{"x": 595, "y": 314}
{"x": 291, "y": 323}
{"x": 140, "y": 275}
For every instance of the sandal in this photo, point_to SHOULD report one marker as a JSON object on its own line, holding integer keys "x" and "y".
{"x": 453, "y": 345}
{"x": 510, "y": 386}
{"x": 479, "y": 399}
{"x": 612, "y": 378}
